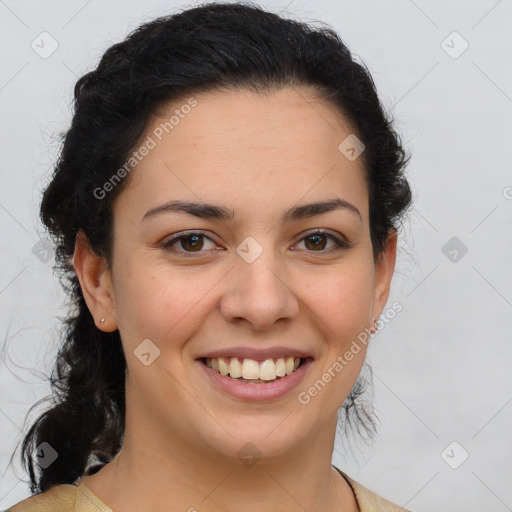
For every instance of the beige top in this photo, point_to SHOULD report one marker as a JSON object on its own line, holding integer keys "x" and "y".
{"x": 78, "y": 498}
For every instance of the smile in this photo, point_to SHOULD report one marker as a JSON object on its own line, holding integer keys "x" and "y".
{"x": 253, "y": 371}
{"x": 260, "y": 380}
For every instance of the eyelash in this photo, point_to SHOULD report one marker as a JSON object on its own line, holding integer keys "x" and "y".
{"x": 340, "y": 243}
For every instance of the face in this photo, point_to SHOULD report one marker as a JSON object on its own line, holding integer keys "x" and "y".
{"x": 258, "y": 274}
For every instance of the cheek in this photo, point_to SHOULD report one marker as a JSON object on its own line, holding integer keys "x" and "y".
{"x": 342, "y": 298}
{"x": 153, "y": 302}
{"x": 341, "y": 311}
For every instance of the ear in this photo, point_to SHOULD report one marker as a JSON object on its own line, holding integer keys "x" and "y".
{"x": 96, "y": 283}
{"x": 384, "y": 268}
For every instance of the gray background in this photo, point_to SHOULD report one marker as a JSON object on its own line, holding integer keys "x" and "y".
{"x": 442, "y": 365}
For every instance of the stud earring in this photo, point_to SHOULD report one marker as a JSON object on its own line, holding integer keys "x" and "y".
{"x": 375, "y": 327}
{"x": 102, "y": 321}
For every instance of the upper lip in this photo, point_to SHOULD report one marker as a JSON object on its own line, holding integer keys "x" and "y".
{"x": 258, "y": 354}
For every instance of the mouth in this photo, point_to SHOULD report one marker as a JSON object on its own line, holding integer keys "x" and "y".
{"x": 252, "y": 371}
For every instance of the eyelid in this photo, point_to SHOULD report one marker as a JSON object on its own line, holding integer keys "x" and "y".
{"x": 322, "y": 231}
{"x": 341, "y": 241}
{"x": 185, "y": 234}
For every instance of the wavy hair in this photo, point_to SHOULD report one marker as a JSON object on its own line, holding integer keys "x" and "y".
{"x": 213, "y": 46}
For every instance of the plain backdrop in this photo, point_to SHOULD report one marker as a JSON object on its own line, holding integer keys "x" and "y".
{"x": 442, "y": 384}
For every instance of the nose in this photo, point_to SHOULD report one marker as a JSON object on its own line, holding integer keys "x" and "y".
{"x": 258, "y": 294}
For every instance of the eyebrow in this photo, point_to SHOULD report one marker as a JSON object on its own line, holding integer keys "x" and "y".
{"x": 211, "y": 211}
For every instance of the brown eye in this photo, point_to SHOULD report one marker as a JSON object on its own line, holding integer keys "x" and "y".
{"x": 188, "y": 243}
{"x": 192, "y": 242}
{"x": 317, "y": 242}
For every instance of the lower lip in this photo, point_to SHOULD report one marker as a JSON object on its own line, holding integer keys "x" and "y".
{"x": 257, "y": 392}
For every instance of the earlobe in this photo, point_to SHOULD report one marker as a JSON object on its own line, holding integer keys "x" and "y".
{"x": 96, "y": 283}
{"x": 384, "y": 269}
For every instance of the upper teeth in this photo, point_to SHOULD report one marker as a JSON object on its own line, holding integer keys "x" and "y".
{"x": 251, "y": 369}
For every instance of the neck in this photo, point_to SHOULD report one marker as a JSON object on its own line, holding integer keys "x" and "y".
{"x": 152, "y": 472}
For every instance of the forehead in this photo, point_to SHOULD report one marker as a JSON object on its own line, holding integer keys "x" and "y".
{"x": 249, "y": 147}
{"x": 282, "y": 120}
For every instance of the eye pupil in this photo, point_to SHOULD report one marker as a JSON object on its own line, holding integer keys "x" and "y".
{"x": 317, "y": 241}
{"x": 195, "y": 243}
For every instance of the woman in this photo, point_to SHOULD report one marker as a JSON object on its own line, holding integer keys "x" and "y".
{"x": 226, "y": 208}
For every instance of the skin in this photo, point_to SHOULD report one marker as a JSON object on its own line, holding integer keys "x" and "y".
{"x": 257, "y": 155}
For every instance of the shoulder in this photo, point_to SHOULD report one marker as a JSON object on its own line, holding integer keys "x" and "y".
{"x": 368, "y": 501}
{"x": 62, "y": 498}
{"x": 59, "y": 498}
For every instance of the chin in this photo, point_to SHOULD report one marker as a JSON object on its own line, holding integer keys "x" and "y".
{"x": 254, "y": 437}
